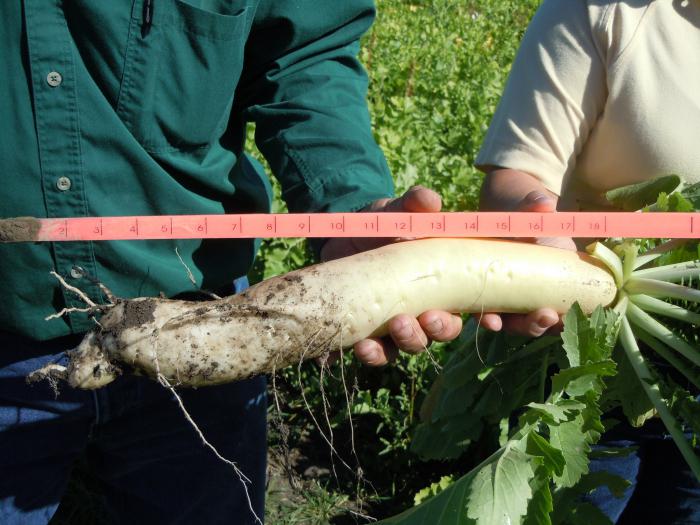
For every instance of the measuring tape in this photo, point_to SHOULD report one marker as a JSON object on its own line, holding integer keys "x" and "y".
{"x": 444, "y": 224}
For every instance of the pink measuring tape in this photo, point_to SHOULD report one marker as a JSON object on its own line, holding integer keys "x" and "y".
{"x": 445, "y": 224}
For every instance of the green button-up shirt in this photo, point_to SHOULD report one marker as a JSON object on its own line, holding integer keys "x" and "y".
{"x": 107, "y": 110}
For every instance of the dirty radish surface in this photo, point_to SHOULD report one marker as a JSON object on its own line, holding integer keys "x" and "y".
{"x": 20, "y": 229}
{"x": 326, "y": 307}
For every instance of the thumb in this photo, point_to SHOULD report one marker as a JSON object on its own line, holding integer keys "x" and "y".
{"x": 537, "y": 201}
{"x": 416, "y": 199}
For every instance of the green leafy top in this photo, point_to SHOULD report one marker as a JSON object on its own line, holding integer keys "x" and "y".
{"x": 548, "y": 449}
{"x": 636, "y": 196}
{"x": 560, "y": 388}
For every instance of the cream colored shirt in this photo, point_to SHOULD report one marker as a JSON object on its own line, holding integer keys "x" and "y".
{"x": 602, "y": 94}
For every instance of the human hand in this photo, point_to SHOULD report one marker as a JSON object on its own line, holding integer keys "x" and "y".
{"x": 408, "y": 333}
{"x": 542, "y": 320}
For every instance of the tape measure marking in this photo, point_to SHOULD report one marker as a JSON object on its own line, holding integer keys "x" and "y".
{"x": 447, "y": 224}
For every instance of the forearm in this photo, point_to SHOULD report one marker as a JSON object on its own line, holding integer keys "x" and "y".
{"x": 305, "y": 89}
{"x": 505, "y": 189}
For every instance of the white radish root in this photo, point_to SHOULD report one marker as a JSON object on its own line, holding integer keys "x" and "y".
{"x": 306, "y": 313}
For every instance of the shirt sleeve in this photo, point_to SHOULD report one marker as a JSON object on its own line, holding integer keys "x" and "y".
{"x": 305, "y": 89}
{"x": 555, "y": 92}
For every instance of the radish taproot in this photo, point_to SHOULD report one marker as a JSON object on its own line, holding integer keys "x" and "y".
{"x": 308, "y": 312}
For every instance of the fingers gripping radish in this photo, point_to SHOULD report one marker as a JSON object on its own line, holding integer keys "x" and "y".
{"x": 303, "y": 314}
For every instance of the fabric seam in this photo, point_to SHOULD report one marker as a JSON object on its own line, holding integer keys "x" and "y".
{"x": 624, "y": 52}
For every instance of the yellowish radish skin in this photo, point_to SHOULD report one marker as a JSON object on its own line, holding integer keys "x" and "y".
{"x": 303, "y": 314}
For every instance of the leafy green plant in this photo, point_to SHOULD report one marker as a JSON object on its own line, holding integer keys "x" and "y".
{"x": 433, "y": 489}
{"x": 559, "y": 389}
{"x": 437, "y": 69}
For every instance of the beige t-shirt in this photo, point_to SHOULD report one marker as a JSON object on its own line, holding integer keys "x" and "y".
{"x": 602, "y": 94}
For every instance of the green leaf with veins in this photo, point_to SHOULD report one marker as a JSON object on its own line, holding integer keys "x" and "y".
{"x": 552, "y": 458}
{"x": 691, "y": 193}
{"x": 501, "y": 489}
{"x": 578, "y": 380}
{"x": 576, "y": 328}
{"x": 553, "y": 413}
{"x": 464, "y": 398}
{"x": 567, "y": 500}
{"x": 636, "y": 196}
{"x": 433, "y": 489}
{"x": 542, "y": 504}
{"x": 588, "y": 340}
{"x": 496, "y": 492}
{"x": 686, "y": 199}
{"x": 517, "y": 479}
{"x": 682, "y": 404}
{"x": 574, "y": 443}
{"x": 625, "y": 390}
{"x": 456, "y": 400}
{"x": 678, "y": 202}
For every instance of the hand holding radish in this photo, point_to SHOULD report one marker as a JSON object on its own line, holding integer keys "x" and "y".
{"x": 502, "y": 190}
{"x": 408, "y": 333}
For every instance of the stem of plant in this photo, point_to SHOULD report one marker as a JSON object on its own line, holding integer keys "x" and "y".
{"x": 661, "y": 289}
{"x": 634, "y": 355}
{"x": 684, "y": 368}
{"x": 647, "y": 323}
{"x": 611, "y": 260}
{"x": 671, "y": 272}
{"x": 657, "y": 306}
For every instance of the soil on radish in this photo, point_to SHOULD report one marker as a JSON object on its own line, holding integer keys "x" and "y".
{"x": 20, "y": 229}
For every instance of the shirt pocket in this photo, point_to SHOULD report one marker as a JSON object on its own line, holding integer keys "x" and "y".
{"x": 180, "y": 77}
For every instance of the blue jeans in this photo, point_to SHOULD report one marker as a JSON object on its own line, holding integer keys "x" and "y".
{"x": 663, "y": 490}
{"x": 150, "y": 463}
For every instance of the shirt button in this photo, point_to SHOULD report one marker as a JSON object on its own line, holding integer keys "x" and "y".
{"x": 54, "y": 79}
{"x": 63, "y": 183}
{"x": 76, "y": 272}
